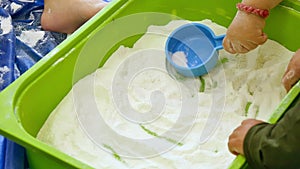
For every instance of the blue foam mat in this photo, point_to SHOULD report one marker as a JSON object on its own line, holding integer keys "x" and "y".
{"x": 17, "y": 55}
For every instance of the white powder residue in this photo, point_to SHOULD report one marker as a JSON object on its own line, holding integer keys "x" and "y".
{"x": 49, "y": 10}
{"x": 179, "y": 58}
{"x": 6, "y": 25}
{"x": 26, "y": 0}
{"x": 3, "y": 71}
{"x": 31, "y": 37}
{"x": 253, "y": 89}
{"x": 14, "y": 6}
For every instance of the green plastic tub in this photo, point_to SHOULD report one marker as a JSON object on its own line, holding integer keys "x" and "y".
{"x": 26, "y": 103}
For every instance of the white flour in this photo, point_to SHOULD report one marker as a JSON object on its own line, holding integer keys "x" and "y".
{"x": 31, "y": 37}
{"x": 26, "y": 0}
{"x": 239, "y": 87}
{"x": 3, "y": 71}
{"x": 179, "y": 58}
{"x": 14, "y": 6}
{"x": 5, "y": 24}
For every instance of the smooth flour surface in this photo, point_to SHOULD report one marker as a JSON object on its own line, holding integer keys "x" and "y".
{"x": 239, "y": 87}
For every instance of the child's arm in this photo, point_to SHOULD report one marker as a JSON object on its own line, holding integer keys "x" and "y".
{"x": 275, "y": 145}
{"x": 262, "y": 4}
{"x": 269, "y": 145}
{"x": 245, "y": 32}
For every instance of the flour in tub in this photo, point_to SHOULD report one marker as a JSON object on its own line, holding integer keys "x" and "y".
{"x": 239, "y": 87}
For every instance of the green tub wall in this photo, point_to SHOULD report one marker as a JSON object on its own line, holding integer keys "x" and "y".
{"x": 29, "y": 101}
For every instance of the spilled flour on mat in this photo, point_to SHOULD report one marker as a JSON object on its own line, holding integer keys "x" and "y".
{"x": 5, "y": 25}
{"x": 31, "y": 37}
{"x": 15, "y": 7}
{"x": 248, "y": 85}
{"x": 3, "y": 71}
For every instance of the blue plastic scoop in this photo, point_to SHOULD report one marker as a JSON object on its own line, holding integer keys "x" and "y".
{"x": 192, "y": 49}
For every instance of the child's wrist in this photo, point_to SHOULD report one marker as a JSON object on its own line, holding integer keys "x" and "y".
{"x": 263, "y": 13}
{"x": 262, "y": 4}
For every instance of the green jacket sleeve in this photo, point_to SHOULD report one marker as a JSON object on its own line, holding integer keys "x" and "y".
{"x": 275, "y": 145}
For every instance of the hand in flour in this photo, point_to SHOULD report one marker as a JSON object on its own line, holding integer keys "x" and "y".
{"x": 236, "y": 139}
{"x": 245, "y": 32}
{"x": 292, "y": 73}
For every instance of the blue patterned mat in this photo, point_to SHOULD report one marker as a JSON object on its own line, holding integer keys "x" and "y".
{"x": 22, "y": 44}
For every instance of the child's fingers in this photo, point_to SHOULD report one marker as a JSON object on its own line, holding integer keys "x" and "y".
{"x": 227, "y": 45}
{"x": 240, "y": 48}
{"x": 289, "y": 79}
{"x": 292, "y": 73}
{"x": 236, "y": 46}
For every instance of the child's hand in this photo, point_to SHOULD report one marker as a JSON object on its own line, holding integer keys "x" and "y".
{"x": 237, "y": 137}
{"x": 244, "y": 33}
{"x": 292, "y": 73}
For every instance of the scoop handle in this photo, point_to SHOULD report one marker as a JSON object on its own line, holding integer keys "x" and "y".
{"x": 219, "y": 42}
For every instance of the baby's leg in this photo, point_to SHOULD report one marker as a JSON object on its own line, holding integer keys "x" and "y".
{"x": 66, "y": 16}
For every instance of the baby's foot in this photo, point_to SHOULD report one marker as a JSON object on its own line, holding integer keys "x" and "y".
{"x": 66, "y": 16}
